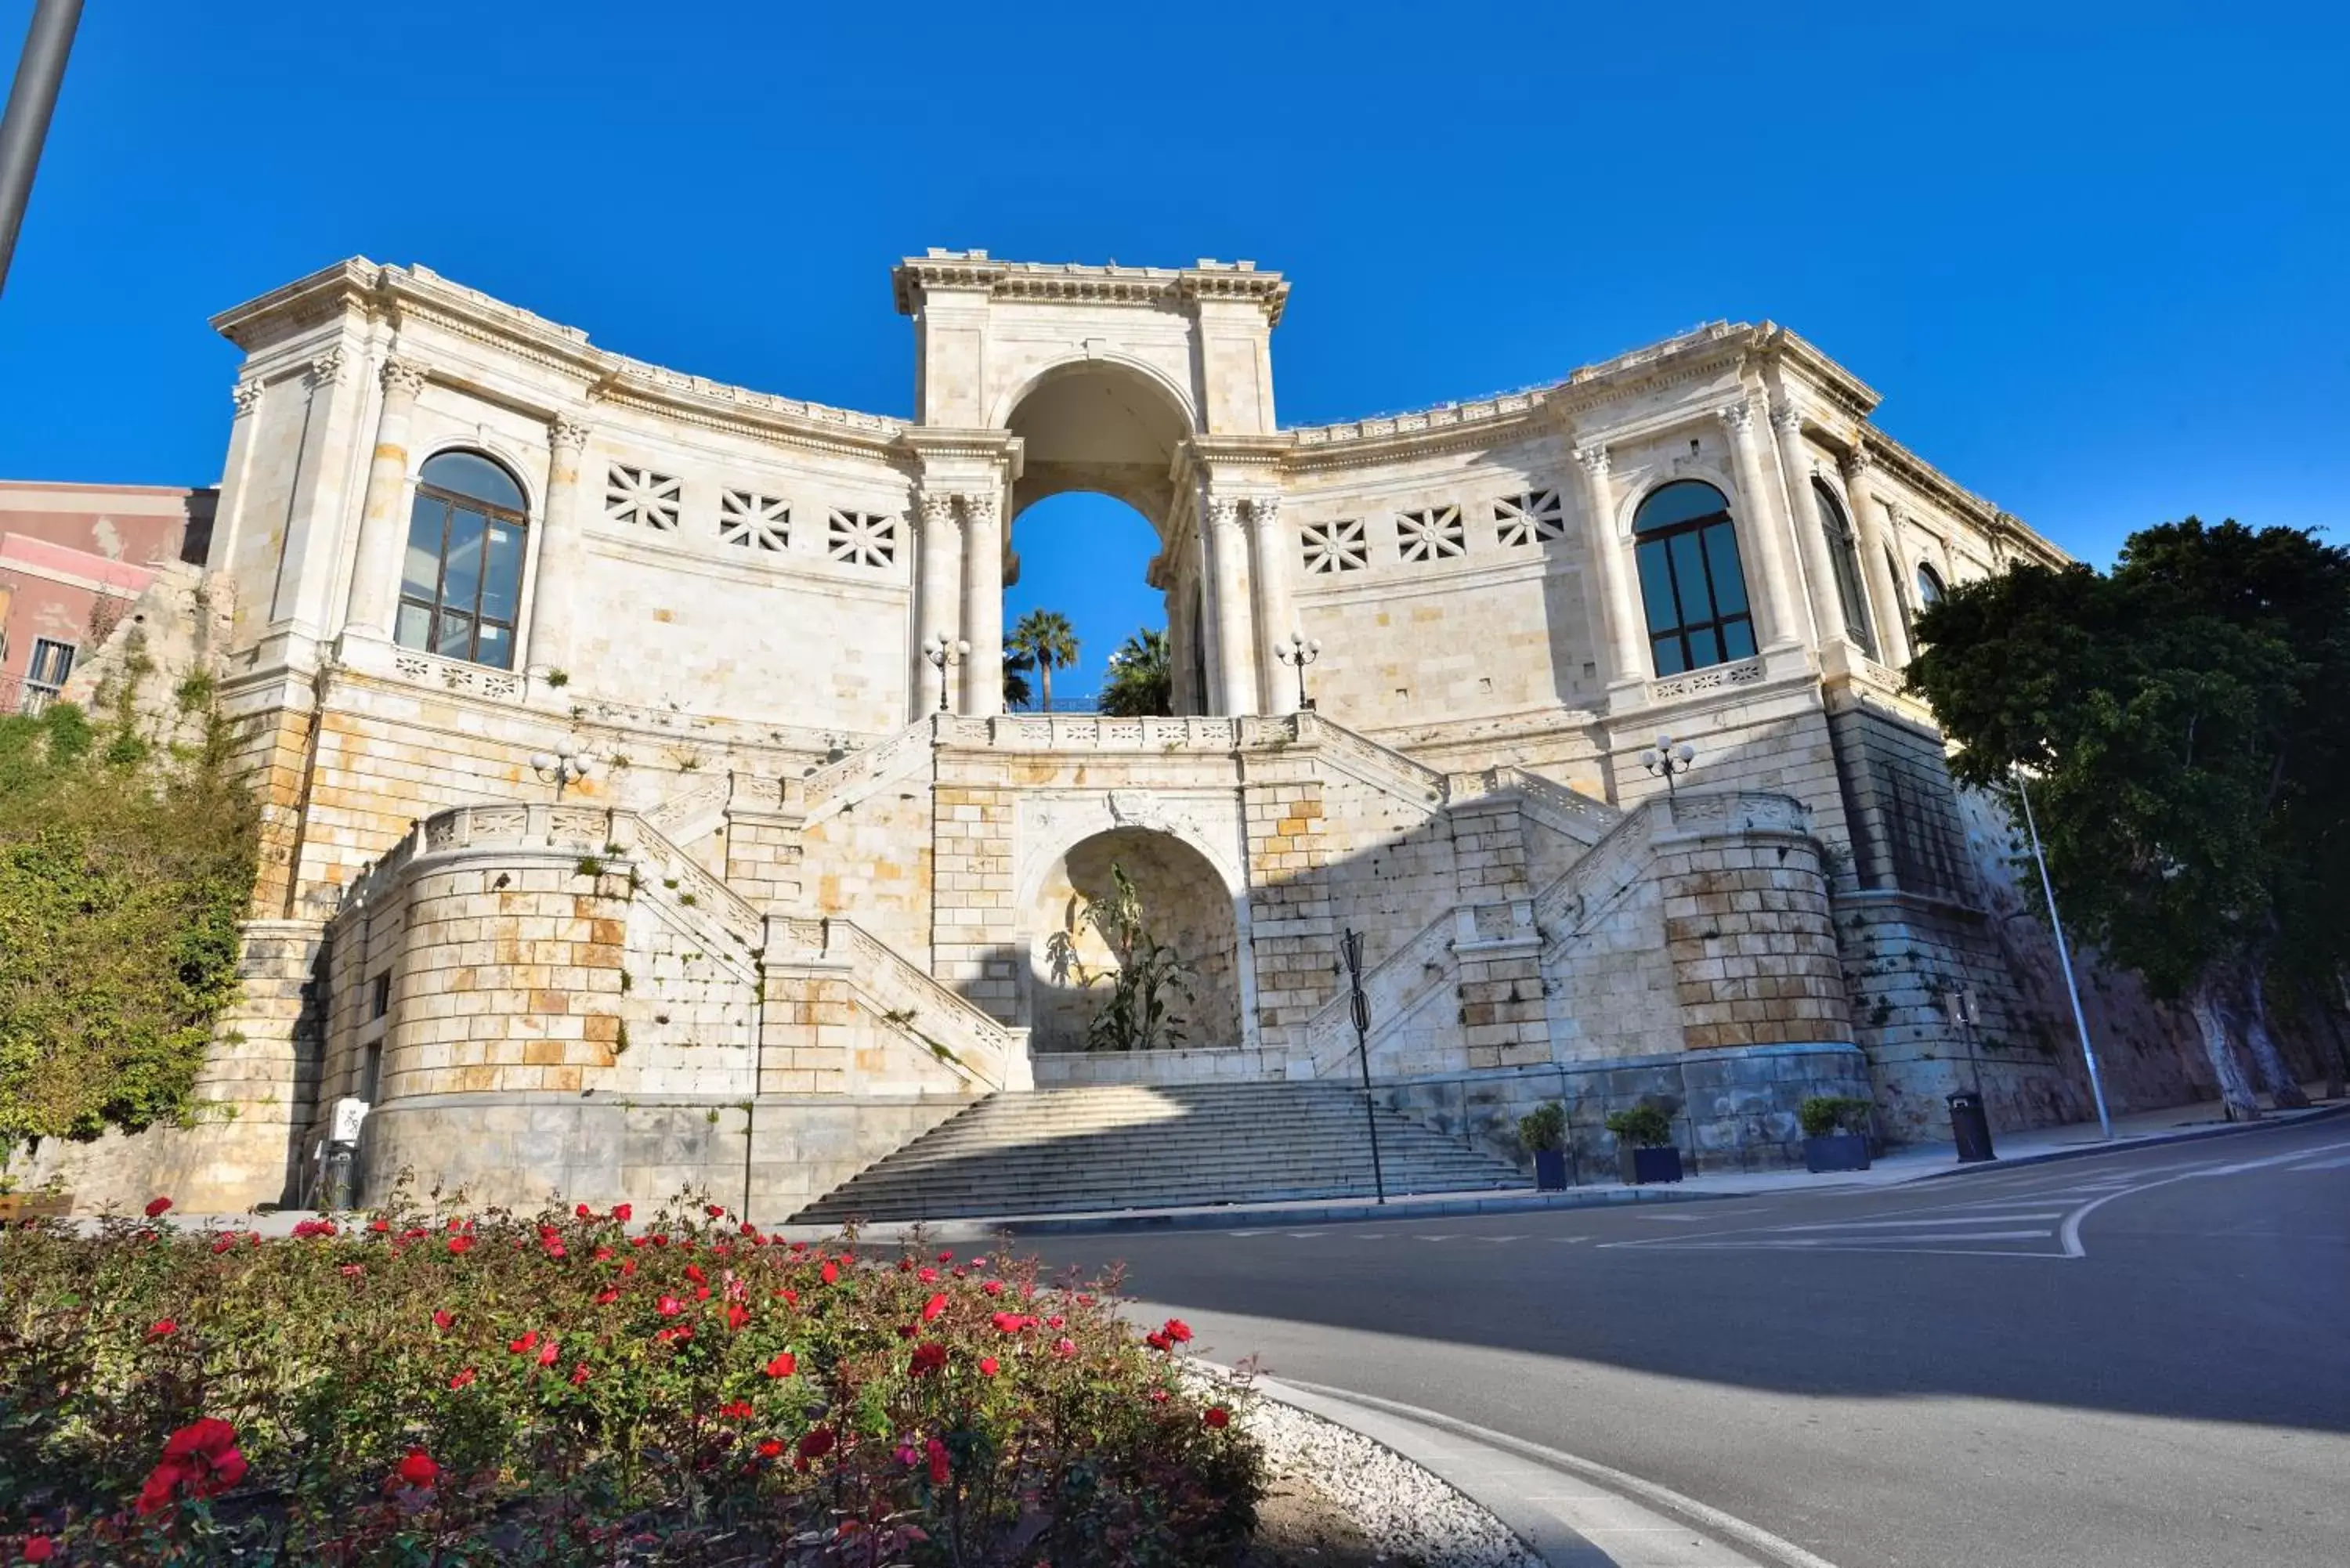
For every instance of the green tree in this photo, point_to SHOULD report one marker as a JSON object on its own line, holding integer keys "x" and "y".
{"x": 1045, "y": 639}
{"x": 1017, "y": 692}
{"x": 1141, "y": 677}
{"x": 2165, "y": 714}
{"x": 123, "y": 876}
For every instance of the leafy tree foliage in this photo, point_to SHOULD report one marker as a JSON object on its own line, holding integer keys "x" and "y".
{"x": 1045, "y": 639}
{"x": 1017, "y": 692}
{"x": 1141, "y": 677}
{"x": 2182, "y": 723}
{"x": 1145, "y": 983}
{"x": 123, "y": 874}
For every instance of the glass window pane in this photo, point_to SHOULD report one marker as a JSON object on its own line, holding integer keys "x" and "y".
{"x": 502, "y": 582}
{"x": 1729, "y": 578}
{"x": 470, "y": 473}
{"x": 1688, "y": 576}
{"x": 414, "y": 627}
{"x": 455, "y": 638}
{"x": 1679, "y": 501}
{"x": 1704, "y": 647}
{"x": 1738, "y": 638}
{"x": 1929, "y": 586}
{"x": 461, "y": 578}
{"x": 1656, "y": 587}
{"x": 1667, "y": 651}
{"x": 494, "y": 647}
{"x": 419, "y": 577}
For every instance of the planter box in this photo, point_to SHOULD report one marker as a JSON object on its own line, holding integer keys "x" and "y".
{"x": 16, "y": 1206}
{"x": 1836, "y": 1151}
{"x": 1550, "y": 1171}
{"x": 1645, "y": 1166}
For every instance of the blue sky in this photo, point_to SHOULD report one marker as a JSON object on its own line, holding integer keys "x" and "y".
{"x": 2091, "y": 256}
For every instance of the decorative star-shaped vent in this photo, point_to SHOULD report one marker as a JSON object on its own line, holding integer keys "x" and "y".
{"x": 753, "y": 521}
{"x": 640, "y": 497}
{"x": 1431, "y": 534}
{"x": 1337, "y": 546}
{"x": 861, "y": 538}
{"x": 1529, "y": 519}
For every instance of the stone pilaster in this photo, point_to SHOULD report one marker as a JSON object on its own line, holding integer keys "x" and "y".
{"x": 982, "y": 606}
{"x": 1624, "y": 643}
{"x": 383, "y": 526}
{"x": 555, "y": 599}
{"x": 1868, "y": 517}
{"x": 1766, "y": 529}
{"x": 938, "y": 610}
{"x": 1828, "y": 620}
{"x": 1269, "y": 551}
{"x": 1228, "y": 603}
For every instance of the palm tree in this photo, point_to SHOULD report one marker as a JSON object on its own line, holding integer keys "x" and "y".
{"x": 1016, "y": 691}
{"x": 1044, "y": 638}
{"x": 1142, "y": 681}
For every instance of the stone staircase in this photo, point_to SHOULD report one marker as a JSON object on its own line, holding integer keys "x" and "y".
{"x": 1134, "y": 1146}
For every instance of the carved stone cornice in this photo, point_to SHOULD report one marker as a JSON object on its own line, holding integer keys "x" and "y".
{"x": 566, "y": 434}
{"x": 1164, "y": 288}
{"x": 402, "y": 378}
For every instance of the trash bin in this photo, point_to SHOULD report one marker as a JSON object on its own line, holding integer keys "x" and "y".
{"x": 1970, "y": 1128}
{"x": 342, "y": 1166}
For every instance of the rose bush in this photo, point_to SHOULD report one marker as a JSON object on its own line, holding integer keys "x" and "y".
{"x": 560, "y": 1388}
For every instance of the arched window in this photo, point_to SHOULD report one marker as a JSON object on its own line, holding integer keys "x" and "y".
{"x": 1843, "y": 556}
{"x": 1689, "y": 578}
{"x": 1929, "y": 586}
{"x": 462, "y": 583}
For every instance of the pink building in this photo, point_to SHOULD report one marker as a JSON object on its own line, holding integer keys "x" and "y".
{"x": 72, "y": 559}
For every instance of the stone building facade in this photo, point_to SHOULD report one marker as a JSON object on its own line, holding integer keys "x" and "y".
{"x": 798, "y": 906}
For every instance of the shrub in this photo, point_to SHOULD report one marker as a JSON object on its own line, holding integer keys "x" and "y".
{"x": 1823, "y": 1114}
{"x": 1642, "y": 1126}
{"x": 1544, "y": 1127}
{"x": 553, "y": 1389}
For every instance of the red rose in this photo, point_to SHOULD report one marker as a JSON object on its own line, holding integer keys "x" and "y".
{"x": 770, "y": 1449}
{"x": 1217, "y": 1415}
{"x": 1157, "y": 1341}
{"x": 670, "y": 1306}
{"x": 737, "y": 1314}
{"x": 1056, "y": 1321}
{"x": 817, "y": 1443}
{"x": 157, "y": 1207}
{"x": 603, "y": 1254}
{"x": 789, "y": 1296}
{"x": 748, "y": 1228}
{"x": 1177, "y": 1330}
{"x": 578, "y": 1373}
{"x": 929, "y": 1276}
{"x": 462, "y": 1380}
{"x": 939, "y": 1469}
{"x": 622, "y": 1212}
{"x": 701, "y": 1293}
{"x": 735, "y": 1410}
{"x": 830, "y": 1273}
{"x": 933, "y": 1307}
{"x": 993, "y": 1287}
{"x": 989, "y": 1365}
{"x": 693, "y": 1271}
{"x": 162, "y": 1328}
{"x": 417, "y": 1469}
{"x": 713, "y": 1210}
{"x": 1011, "y": 1322}
{"x": 583, "y": 1212}
{"x": 381, "y": 1227}
{"x": 946, "y": 1257}
{"x": 1158, "y": 1396}
{"x": 444, "y": 1319}
{"x": 39, "y": 1549}
{"x": 461, "y": 1245}
{"x": 547, "y": 1352}
{"x": 1065, "y": 1348}
{"x": 223, "y": 1243}
{"x": 528, "y": 1340}
{"x": 783, "y": 1365}
{"x": 928, "y": 1356}
{"x": 660, "y": 1241}
{"x": 606, "y": 1297}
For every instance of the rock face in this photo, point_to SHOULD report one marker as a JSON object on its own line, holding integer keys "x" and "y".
{"x": 620, "y": 834}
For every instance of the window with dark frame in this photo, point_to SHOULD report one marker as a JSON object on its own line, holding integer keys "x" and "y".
{"x": 461, "y": 585}
{"x": 1692, "y": 584}
{"x": 44, "y": 677}
{"x": 371, "y": 1072}
{"x": 1844, "y": 555}
{"x": 379, "y": 996}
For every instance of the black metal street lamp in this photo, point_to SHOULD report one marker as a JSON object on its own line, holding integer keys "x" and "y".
{"x": 1298, "y": 651}
{"x": 1668, "y": 759}
{"x": 944, "y": 655}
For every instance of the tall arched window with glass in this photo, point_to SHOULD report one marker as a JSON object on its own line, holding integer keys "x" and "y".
{"x": 1691, "y": 582}
{"x": 460, "y": 587}
{"x": 1929, "y": 586}
{"x": 1844, "y": 558}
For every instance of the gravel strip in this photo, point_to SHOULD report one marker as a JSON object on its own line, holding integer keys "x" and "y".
{"x": 1408, "y": 1514}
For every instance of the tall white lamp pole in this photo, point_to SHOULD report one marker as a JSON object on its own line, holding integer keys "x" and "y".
{"x": 2064, "y": 957}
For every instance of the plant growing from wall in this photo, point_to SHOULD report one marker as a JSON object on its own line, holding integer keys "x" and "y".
{"x": 1147, "y": 980}
{"x": 124, "y": 870}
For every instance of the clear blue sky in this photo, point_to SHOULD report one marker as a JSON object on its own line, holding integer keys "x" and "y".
{"x": 2093, "y": 257}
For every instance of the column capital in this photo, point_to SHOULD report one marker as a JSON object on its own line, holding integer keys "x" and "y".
{"x": 402, "y": 378}
{"x": 979, "y": 509}
{"x": 247, "y": 396}
{"x": 1223, "y": 511}
{"x": 566, "y": 434}
{"x": 327, "y": 369}
{"x": 1738, "y": 415}
{"x": 1265, "y": 510}
{"x": 1856, "y": 463}
{"x": 1788, "y": 420}
{"x": 1594, "y": 458}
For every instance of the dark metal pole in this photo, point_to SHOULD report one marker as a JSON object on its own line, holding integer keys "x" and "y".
{"x": 1352, "y": 947}
{"x": 26, "y": 126}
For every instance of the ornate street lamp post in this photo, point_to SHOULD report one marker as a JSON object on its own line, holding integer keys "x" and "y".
{"x": 944, "y": 656}
{"x": 562, "y": 768}
{"x": 1298, "y": 651}
{"x": 1668, "y": 759}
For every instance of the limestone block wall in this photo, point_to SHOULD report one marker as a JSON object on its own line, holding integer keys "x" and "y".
{"x": 1292, "y": 920}
{"x": 975, "y": 928}
{"x": 1901, "y": 810}
{"x": 689, "y": 1004}
{"x": 1612, "y": 989}
{"x": 1748, "y": 934}
{"x": 874, "y": 860}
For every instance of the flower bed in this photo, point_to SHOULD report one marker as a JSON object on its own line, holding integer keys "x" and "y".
{"x": 557, "y": 1389}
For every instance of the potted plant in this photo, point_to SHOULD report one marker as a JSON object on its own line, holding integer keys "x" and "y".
{"x": 1835, "y": 1132}
{"x": 1643, "y": 1146}
{"x": 1543, "y": 1132}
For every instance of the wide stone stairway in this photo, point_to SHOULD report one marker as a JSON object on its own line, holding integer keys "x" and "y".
{"x": 1134, "y": 1146}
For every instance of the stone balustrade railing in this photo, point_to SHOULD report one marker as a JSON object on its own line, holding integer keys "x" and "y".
{"x": 1570, "y": 811}
{"x": 974, "y": 1043}
{"x": 1713, "y": 677}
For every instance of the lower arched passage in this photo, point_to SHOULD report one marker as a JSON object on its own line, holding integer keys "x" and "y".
{"x": 1187, "y": 906}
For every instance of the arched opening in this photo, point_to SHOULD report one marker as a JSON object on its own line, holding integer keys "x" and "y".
{"x": 1185, "y": 907}
{"x": 461, "y": 581}
{"x": 1092, "y": 517}
{"x": 1692, "y": 584}
{"x": 1844, "y": 558}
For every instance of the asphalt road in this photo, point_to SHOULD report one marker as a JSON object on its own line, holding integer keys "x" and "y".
{"x": 2133, "y": 1359}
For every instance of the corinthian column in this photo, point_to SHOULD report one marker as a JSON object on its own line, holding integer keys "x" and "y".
{"x": 937, "y": 609}
{"x": 555, "y": 599}
{"x": 1624, "y": 623}
{"x": 1228, "y": 588}
{"x": 1811, "y": 531}
{"x": 1269, "y": 565}
{"x": 982, "y": 606}
{"x": 375, "y": 573}
{"x": 1868, "y": 517}
{"x": 1765, "y": 529}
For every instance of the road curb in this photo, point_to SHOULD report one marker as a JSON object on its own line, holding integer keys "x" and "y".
{"x": 2152, "y": 1140}
{"x": 1571, "y": 1512}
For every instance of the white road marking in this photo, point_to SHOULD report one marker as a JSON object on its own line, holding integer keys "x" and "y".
{"x": 2323, "y": 1165}
{"x": 1914, "y": 1224}
{"x": 1498, "y": 1239}
{"x": 1678, "y": 1219}
{"x": 1424, "y": 1236}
